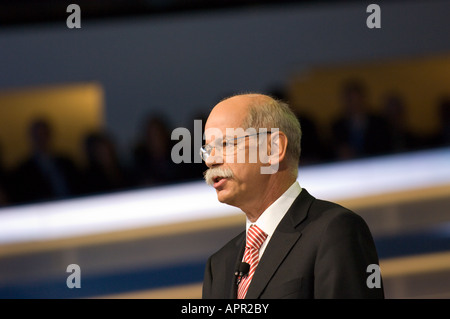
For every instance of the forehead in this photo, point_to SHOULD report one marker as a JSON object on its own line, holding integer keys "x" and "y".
{"x": 228, "y": 114}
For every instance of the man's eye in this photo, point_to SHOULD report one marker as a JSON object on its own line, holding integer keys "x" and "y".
{"x": 229, "y": 143}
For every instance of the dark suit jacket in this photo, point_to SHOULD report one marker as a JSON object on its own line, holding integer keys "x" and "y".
{"x": 319, "y": 250}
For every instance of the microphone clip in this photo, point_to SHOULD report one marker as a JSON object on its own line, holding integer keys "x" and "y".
{"x": 243, "y": 270}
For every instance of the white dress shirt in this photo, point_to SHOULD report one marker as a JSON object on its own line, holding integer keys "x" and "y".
{"x": 271, "y": 217}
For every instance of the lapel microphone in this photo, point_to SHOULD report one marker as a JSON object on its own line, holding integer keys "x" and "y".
{"x": 242, "y": 272}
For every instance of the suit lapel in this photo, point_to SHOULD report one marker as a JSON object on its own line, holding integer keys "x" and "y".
{"x": 285, "y": 236}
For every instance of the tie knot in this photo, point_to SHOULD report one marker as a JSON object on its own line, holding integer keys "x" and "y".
{"x": 255, "y": 237}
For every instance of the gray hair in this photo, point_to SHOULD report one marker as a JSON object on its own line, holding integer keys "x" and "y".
{"x": 274, "y": 113}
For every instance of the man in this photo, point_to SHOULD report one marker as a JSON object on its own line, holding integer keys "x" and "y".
{"x": 44, "y": 174}
{"x": 295, "y": 245}
{"x": 358, "y": 132}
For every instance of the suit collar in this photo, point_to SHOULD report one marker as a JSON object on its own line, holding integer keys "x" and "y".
{"x": 299, "y": 209}
{"x": 284, "y": 237}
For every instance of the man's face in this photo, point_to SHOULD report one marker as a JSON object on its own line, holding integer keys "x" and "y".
{"x": 245, "y": 182}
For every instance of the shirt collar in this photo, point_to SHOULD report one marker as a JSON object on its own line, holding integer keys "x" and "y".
{"x": 271, "y": 217}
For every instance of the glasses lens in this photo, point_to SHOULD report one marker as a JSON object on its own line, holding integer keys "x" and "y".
{"x": 204, "y": 154}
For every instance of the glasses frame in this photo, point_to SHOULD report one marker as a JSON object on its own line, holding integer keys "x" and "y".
{"x": 205, "y": 150}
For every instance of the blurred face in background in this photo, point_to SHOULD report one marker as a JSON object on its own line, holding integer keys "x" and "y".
{"x": 40, "y": 136}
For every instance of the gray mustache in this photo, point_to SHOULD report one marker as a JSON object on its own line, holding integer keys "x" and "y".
{"x": 210, "y": 173}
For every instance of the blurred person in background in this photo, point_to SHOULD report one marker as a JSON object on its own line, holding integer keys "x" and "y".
{"x": 44, "y": 174}
{"x": 358, "y": 132}
{"x": 152, "y": 162}
{"x": 313, "y": 143}
{"x": 442, "y": 136}
{"x": 103, "y": 171}
{"x": 4, "y": 183}
{"x": 400, "y": 137}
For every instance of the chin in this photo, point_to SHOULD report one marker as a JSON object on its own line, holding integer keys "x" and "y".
{"x": 225, "y": 197}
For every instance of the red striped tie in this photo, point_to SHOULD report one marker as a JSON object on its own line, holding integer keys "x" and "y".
{"x": 255, "y": 238}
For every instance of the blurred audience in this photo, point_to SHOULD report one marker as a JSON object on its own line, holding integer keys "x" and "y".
{"x": 358, "y": 132}
{"x": 44, "y": 174}
{"x": 103, "y": 171}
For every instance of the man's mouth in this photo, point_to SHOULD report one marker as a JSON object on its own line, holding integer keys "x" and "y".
{"x": 218, "y": 181}
{"x": 217, "y": 178}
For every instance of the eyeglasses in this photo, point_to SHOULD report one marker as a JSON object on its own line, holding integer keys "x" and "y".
{"x": 227, "y": 145}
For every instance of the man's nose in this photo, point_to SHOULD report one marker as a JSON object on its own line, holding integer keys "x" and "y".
{"x": 215, "y": 158}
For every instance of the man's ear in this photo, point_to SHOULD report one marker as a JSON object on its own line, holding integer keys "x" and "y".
{"x": 276, "y": 152}
{"x": 277, "y": 147}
